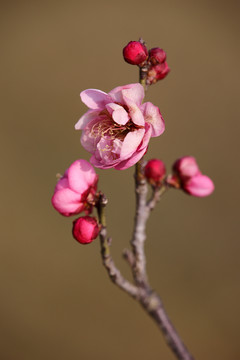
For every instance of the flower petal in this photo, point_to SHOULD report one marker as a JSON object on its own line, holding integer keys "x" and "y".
{"x": 67, "y": 202}
{"x": 153, "y": 117}
{"x": 95, "y": 99}
{"x": 131, "y": 142}
{"x": 146, "y": 138}
{"x": 85, "y": 119}
{"x": 118, "y": 113}
{"x": 133, "y": 91}
{"x": 135, "y": 113}
{"x": 81, "y": 176}
{"x": 131, "y": 161}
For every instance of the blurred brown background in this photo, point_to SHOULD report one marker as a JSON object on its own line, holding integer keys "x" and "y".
{"x": 56, "y": 300}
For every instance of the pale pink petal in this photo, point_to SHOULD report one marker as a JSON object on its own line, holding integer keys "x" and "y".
{"x": 199, "y": 185}
{"x": 134, "y": 91}
{"x": 153, "y": 116}
{"x": 101, "y": 165}
{"x": 85, "y": 119}
{"x": 130, "y": 143}
{"x": 67, "y": 202}
{"x": 135, "y": 113}
{"x": 81, "y": 176}
{"x": 146, "y": 138}
{"x": 131, "y": 161}
{"x": 95, "y": 99}
{"x": 118, "y": 113}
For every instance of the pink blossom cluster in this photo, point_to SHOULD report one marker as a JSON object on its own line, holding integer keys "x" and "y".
{"x": 116, "y": 130}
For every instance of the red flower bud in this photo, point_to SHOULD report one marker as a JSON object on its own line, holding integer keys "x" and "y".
{"x": 135, "y": 53}
{"x": 157, "y": 55}
{"x": 155, "y": 171}
{"x": 157, "y": 72}
{"x": 85, "y": 229}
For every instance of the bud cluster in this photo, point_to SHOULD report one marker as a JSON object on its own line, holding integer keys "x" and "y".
{"x": 186, "y": 176}
{"x": 152, "y": 62}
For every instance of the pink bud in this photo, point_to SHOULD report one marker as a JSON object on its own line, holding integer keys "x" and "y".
{"x": 85, "y": 229}
{"x": 190, "y": 178}
{"x": 155, "y": 171}
{"x": 199, "y": 185}
{"x": 157, "y": 72}
{"x": 157, "y": 55}
{"x": 186, "y": 167}
{"x": 135, "y": 53}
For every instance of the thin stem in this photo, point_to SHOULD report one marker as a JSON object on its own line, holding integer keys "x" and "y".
{"x": 113, "y": 272}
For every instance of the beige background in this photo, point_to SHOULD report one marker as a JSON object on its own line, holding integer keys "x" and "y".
{"x": 56, "y": 300}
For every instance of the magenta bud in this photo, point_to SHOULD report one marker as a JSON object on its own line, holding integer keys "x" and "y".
{"x": 135, "y": 53}
{"x": 186, "y": 167}
{"x": 157, "y": 55}
{"x": 155, "y": 171}
{"x": 85, "y": 229}
{"x": 199, "y": 185}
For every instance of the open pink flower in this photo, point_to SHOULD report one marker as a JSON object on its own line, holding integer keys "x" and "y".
{"x": 188, "y": 177}
{"x": 117, "y": 127}
{"x": 75, "y": 190}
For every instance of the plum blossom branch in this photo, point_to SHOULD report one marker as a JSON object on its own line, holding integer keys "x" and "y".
{"x": 116, "y": 130}
{"x": 141, "y": 290}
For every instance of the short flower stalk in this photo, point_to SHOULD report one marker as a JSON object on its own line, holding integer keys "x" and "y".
{"x": 116, "y": 131}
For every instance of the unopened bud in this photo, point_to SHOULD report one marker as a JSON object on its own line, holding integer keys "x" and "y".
{"x": 157, "y": 72}
{"x": 157, "y": 56}
{"x": 155, "y": 171}
{"x": 85, "y": 229}
{"x": 199, "y": 185}
{"x": 135, "y": 53}
{"x": 186, "y": 167}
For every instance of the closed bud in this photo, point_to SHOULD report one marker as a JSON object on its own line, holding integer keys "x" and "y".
{"x": 186, "y": 167}
{"x": 199, "y": 185}
{"x": 157, "y": 72}
{"x": 155, "y": 171}
{"x": 85, "y": 229}
{"x": 135, "y": 53}
{"x": 157, "y": 56}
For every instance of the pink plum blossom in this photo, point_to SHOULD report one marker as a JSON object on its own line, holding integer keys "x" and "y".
{"x": 85, "y": 229}
{"x": 117, "y": 127}
{"x": 75, "y": 190}
{"x": 188, "y": 177}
